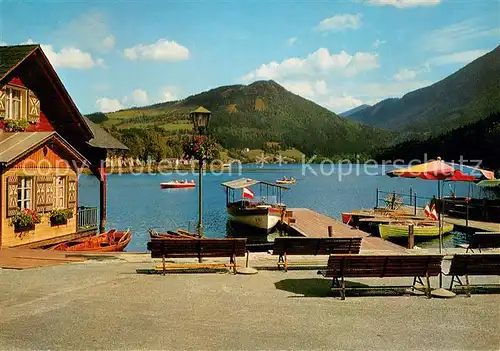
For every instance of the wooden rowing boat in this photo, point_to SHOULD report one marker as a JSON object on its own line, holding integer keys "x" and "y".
{"x": 179, "y": 234}
{"x": 422, "y": 230}
{"x": 105, "y": 242}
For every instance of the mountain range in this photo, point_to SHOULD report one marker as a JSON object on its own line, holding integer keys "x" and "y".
{"x": 468, "y": 95}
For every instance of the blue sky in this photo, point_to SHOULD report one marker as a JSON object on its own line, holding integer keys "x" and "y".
{"x": 340, "y": 54}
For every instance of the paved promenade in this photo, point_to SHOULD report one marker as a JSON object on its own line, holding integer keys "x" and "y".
{"x": 106, "y": 305}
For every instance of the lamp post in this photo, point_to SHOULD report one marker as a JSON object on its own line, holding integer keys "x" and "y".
{"x": 201, "y": 118}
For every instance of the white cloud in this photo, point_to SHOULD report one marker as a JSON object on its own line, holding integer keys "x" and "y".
{"x": 108, "y": 42}
{"x": 376, "y": 44}
{"x": 306, "y": 89}
{"x": 138, "y": 97}
{"x": 458, "y": 57}
{"x": 28, "y": 42}
{"x": 405, "y": 74}
{"x": 88, "y": 31}
{"x": 450, "y": 37}
{"x": 342, "y": 103}
{"x": 162, "y": 50}
{"x": 168, "y": 94}
{"x": 70, "y": 57}
{"x": 3, "y": 43}
{"x": 340, "y": 22}
{"x": 403, "y": 3}
{"x": 319, "y": 63}
{"x": 108, "y": 105}
{"x": 291, "y": 41}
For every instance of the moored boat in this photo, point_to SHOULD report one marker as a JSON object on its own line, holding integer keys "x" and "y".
{"x": 153, "y": 234}
{"x": 285, "y": 181}
{"x": 262, "y": 213}
{"x": 178, "y": 184}
{"x": 421, "y": 230}
{"x": 105, "y": 242}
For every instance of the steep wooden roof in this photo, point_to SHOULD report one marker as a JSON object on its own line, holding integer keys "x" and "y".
{"x": 15, "y": 145}
{"x": 11, "y": 57}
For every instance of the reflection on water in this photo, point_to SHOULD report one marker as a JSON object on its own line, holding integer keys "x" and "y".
{"x": 254, "y": 236}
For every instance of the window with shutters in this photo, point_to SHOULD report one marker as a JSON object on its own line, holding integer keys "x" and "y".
{"x": 25, "y": 193}
{"x": 15, "y": 103}
{"x": 60, "y": 192}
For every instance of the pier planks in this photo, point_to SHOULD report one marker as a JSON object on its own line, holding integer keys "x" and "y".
{"x": 27, "y": 258}
{"x": 312, "y": 224}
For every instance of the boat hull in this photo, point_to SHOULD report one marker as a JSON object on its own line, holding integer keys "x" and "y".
{"x": 111, "y": 241}
{"x": 261, "y": 218}
{"x": 177, "y": 186}
{"x": 397, "y": 230}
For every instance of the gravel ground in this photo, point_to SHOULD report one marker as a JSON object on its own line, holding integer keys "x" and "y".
{"x": 106, "y": 305}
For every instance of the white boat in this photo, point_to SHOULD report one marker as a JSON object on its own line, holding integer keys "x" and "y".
{"x": 260, "y": 213}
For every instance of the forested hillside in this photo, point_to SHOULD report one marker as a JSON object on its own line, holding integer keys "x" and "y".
{"x": 245, "y": 117}
{"x": 466, "y": 96}
{"x": 477, "y": 141}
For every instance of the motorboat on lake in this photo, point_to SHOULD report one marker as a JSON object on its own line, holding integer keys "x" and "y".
{"x": 178, "y": 184}
{"x": 263, "y": 212}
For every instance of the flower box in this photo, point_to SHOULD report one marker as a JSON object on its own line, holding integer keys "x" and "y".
{"x": 23, "y": 228}
{"x": 55, "y": 221}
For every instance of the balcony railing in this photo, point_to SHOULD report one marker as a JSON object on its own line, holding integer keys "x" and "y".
{"x": 87, "y": 218}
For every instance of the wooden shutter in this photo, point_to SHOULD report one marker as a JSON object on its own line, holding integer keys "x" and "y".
{"x": 12, "y": 195}
{"x": 44, "y": 194}
{"x": 71, "y": 192}
{"x": 33, "y": 108}
{"x": 3, "y": 101}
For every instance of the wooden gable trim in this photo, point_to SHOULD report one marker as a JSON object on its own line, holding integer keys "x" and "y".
{"x": 52, "y": 77}
{"x": 65, "y": 145}
{"x": 62, "y": 92}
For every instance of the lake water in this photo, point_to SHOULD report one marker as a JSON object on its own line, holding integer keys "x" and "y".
{"x": 138, "y": 203}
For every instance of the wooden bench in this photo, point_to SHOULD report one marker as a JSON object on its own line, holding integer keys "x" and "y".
{"x": 482, "y": 240}
{"x": 382, "y": 266}
{"x": 200, "y": 248}
{"x": 472, "y": 264}
{"x": 313, "y": 246}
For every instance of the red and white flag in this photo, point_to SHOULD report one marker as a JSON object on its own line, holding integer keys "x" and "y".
{"x": 248, "y": 193}
{"x": 427, "y": 210}
{"x": 434, "y": 214}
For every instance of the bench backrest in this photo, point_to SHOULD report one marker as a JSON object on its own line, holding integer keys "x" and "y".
{"x": 485, "y": 240}
{"x": 475, "y": 264}
{"x": 176, "y": 248}
{"x": 383, "y": 266}
{"x": 316, "y": 246}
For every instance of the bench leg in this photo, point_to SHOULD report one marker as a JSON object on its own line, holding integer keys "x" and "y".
{"x": 163, "y": 263}
{"x": 428, "y": 287}
{"x": 286, "y": 264}
{"x": 467, "y": 285}
{"x": 342, "y": 288}
{"x": 280, "y": 261}
{"x": 234, "y": 264}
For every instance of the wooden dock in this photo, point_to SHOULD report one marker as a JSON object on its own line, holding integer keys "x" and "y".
{"x": 463, "y": 226}
{"x": 312, "y": 224}
{"x": 14, "y": 258}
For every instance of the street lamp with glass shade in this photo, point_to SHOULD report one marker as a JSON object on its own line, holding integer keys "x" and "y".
{"x": 201, "y": 118}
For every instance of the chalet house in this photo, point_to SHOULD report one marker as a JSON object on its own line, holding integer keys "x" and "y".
{"x": 44, "y": 144}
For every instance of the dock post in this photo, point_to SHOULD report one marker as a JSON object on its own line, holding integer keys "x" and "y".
{"x": 411, "y": 197}
{"x": 411, "y": 236}
{"x": 376, "y": 200}
{"x": 330, "y": 231}
{"x": 415, "y": 204}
